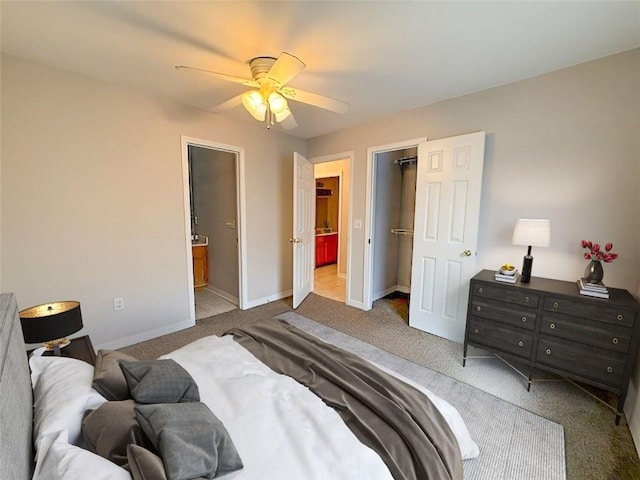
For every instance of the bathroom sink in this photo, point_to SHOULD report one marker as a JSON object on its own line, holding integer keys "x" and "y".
{"x": 202, "y": 241}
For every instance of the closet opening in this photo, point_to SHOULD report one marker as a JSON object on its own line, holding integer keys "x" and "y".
{"x": 422, "y": 228}
{"x": 394, "y": 197}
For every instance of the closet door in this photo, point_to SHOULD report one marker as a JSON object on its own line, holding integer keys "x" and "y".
{"x": 449, "y": 181}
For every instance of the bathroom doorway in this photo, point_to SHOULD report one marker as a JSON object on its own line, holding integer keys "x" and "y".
{"x": 332, "y": 221}
{"x": 213, "y": 206}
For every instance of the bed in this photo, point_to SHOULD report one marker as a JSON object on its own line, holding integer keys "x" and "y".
{"x": 266, "y": 424}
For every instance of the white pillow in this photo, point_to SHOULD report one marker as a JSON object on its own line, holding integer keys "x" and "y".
{"x": 468, "y": 448}
{"x": 61, "y": 393}
{"x": 59, "y": 460}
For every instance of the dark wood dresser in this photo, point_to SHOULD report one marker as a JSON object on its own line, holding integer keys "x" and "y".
{"x": 547, "y": 324}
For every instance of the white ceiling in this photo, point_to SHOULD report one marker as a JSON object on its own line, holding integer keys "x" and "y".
{"x": 380, "y": 57}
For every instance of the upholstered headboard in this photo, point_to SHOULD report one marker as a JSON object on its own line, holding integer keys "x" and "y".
{"x": 16, "y": 398}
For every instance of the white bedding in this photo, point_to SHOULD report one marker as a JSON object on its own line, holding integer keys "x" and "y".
{"x": 279, "y": 427}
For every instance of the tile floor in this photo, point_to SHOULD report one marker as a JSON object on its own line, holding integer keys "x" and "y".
{"x": 209, "y": 304}
{"x": 328, "y": 284}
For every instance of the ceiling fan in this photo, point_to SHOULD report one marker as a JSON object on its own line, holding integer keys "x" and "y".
{"x": 268, "y": 98}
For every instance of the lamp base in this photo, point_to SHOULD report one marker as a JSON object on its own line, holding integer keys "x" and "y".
{"x": 527, "y": 263}
{"x": 56, "y": 345}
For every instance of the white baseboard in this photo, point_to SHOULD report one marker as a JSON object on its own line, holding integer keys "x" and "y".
{"x": 384, "y": 293}
{"x": 270, "y": 298}
{"x": 222, "y": 294}
{"x": 144, "y": 336}
{"x": 403, "y": 289}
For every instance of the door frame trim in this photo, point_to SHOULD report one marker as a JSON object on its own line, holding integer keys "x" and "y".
{"x": 186, "y": 142}
{"x": 367, "y": 281}
{"x": 348, "y": 155}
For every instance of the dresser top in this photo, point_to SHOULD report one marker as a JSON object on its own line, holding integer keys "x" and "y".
{"x": 617, "y": 296}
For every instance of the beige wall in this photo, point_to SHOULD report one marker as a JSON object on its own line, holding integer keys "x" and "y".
{"x": 92, "y": 200}
{"x": 561, "y": 146}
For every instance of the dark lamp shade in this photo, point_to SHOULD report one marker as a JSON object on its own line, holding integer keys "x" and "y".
{"x": 50, "y": 321}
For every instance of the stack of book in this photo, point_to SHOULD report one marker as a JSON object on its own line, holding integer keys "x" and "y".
{"x": 593, "y": 289}
{"x": 511, "y": 277}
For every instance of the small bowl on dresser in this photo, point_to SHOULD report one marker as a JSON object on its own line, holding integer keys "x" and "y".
{"x": 507, "y": 270}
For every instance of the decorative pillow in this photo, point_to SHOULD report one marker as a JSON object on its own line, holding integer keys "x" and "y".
{"x": 191, "y": 440}
{"x": 159, "y": 381}
{"x": 59, "y": 460}
{"x": 61, "y": 393}
{"x": 110, "y": 428}
{"x": 108, "y": 378}
{"x": 146, "y": 465}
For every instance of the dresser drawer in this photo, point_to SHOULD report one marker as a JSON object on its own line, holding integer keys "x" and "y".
{"x": 590, "y": 362}
{"x": 504, "y": 313}
{"x": 516, "y": 341}
{"x": 598, "y": 334}
{"x": 601, "y": 313}
{"x": 517, "y": 296}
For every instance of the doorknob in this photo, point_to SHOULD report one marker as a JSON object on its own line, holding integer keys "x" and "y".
{"x": 467, "y": 253}
{"x": 295, "y": 240}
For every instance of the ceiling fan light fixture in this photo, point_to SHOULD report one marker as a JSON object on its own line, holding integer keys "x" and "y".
{"x": 277, "y": 103}
{"x": 255, "y": 104}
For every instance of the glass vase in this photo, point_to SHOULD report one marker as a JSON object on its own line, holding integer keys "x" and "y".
{"x": 594, "y": 272}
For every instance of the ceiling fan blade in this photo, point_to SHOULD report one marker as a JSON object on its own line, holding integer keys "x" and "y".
{"x": 223, "y": 76}
{"x": 228, "y": 105}
{"x": 289, "y": 122}
{"x": 285, "y": 68}
{"x": 316, "y": 100}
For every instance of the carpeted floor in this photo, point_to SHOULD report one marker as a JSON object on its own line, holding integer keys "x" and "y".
{"x": 595, "y": 447}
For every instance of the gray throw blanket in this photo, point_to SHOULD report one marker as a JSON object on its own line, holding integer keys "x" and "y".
{"x": 389, "y": 416}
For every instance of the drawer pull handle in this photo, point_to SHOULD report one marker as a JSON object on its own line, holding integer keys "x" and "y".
{"x": 478, "y": 308}
{"x": 526, "y": 299}
{"x": 619, "y": 317}
{"x": 480, "y": 290}
{"x": 555, "y": 305}
{"x": 520, "y": 344}
{"x": 524, "y": 319}
{"x": 475, "y": 331}
{"x": 615, "y": 341}
{"x": 609, "y": 369}
{"x": 552, "y": 326}
{"x": 548, "y": 352}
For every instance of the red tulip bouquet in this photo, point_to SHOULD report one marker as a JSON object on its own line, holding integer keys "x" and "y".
{"x": 593, "y": 251}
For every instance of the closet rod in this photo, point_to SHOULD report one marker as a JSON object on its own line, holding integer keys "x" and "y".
{"x": 401, "y": 231}
{"x": 401, "y": 161}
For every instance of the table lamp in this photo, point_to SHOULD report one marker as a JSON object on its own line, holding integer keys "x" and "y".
{"x": 532, "y": 233}
{"x": 50, "y": 323}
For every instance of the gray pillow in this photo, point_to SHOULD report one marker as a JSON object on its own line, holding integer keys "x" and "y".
{"x": 108, "y": 379}
{"x": 145, "y": 465}
{"x": 191, "y": 440}
{"x": 108, "y": 430}
{"x": 159, "y": 381}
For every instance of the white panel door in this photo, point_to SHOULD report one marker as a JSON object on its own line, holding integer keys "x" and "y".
{"x": 449, "y": 181}
{"x": 303, "y": 228}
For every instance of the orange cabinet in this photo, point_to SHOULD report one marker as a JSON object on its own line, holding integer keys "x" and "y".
{"x": 326, "y": 249}
{"x": 200, "y": 266}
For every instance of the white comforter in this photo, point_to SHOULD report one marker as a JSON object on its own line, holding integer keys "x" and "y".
{"x": 279, "y": 427}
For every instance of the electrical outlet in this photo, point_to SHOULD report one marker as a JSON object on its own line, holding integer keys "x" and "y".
{"x": 118, "y": 303}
